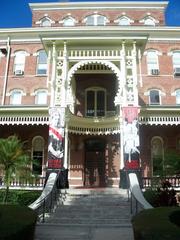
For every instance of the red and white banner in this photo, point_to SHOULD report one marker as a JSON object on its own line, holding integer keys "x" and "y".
{"x": 56, "y": 139}
{"x": 130, "y": 137}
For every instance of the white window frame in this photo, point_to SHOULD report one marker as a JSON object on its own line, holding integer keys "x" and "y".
{"x": 177, "y": 94}
{"x": 96, "y": 90}
{"x": 176, "y": 60}
{"x": 124, "y": 21}
{"x": 19, "y": 61}
{"x": 18, "y": 99}
{"x": 162, "y": 152}
{"x": 38, "y": 99}
{"x": 41, "y": 66}
{"x": 149, "y": 21}
{"x": 95, "y": 20}
{"x": 40, "y": 150}
{"x": 68, "y": 21}
{"x": 45, "y": 18}
{"x": 159, "y": 94}
{"x": 152, "y": 62}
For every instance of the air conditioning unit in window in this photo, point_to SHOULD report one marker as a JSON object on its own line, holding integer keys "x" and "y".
{"x": 19, "y": 72}
{"x": 177, "y": 72}
{"x": 155, "y": 71}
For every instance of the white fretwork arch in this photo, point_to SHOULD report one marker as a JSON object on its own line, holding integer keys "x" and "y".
{"x": 82, "y": 63}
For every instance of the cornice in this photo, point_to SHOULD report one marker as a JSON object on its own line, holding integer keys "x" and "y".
{"x": 99, "y": 5}
{"x": 36, "y": 33}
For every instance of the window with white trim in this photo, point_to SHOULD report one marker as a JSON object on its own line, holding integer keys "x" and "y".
{"x": 41, "y": 63}
{"x": 19, "y": 62}
{"x": 149, "y": 21}
{"x": 124, "y": 21}
{"x": 96, "y": 20}
{"x": 37, "y": 154}
{"x": 157, "y": 155}
{"x": 152, "y": 62}
{"x": 16, "y": 97}
{"x": 45, "y": 22}
{"x": 95, "y": 102}
{"x": 41, "y": 97}
{"x": 154, "y": 97}
{"x": 176, "y": 63}
{"x": 177, "y": 92}
{"x": 68, "y": 21}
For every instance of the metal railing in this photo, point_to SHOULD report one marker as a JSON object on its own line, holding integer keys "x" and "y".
{"x": 49, "y": 198}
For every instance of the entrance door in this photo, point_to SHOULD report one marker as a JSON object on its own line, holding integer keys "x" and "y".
{"x": 95, "y": 163}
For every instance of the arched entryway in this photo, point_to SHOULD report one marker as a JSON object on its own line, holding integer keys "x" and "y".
{"x": 95, "y": 164}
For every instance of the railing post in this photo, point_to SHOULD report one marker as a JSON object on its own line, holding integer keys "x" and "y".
{"x": 44, "y": 208}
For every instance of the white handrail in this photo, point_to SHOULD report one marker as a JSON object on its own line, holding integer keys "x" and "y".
{"x": 46, "y": 191}
{"x": 136, "y": 192}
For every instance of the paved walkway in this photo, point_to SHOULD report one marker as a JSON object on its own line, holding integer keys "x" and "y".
{"x": 99, "y": 214}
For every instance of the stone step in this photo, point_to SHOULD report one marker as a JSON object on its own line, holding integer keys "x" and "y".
{"x": 69, "y": 232}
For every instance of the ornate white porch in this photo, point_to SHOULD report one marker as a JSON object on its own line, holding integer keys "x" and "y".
{"x": 159, "y": 115}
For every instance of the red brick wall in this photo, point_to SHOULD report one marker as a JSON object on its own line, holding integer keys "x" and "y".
{"x": 79, "y": 15}
{"x": 169, "y": 136}
{"x": 165, "y": 81}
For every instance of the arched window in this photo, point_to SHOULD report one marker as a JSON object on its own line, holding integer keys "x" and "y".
{"x": 41, "y": 63}
{"x": 19, "y": 62}
{"x": 157, "y": 155}
{"x": 68, "y": 21}
{"x": 178, "y": 96}
{"x": 95, "y": 102}
{"x": 152, "y": 62}
{"x": 176, "y": 63}
{"x": 154, "y": 97}
{"x": 149, "y": 21}
{"x": 16, "y": 97}
{"x": 41, "y": 96}
{"x": 45, "y": 22}
{"x": 95, "y": 20}
{"x": 124, "y": 21}
{"x": 37, "y": 154}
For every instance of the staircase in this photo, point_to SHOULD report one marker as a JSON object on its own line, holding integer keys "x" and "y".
{"x": 90, "y": 214}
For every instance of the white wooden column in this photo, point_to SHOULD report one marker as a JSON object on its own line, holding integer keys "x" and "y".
{"x": 134, "y": 63}
{"x": 123, "y": 75}
{"x": 53, "y": 75}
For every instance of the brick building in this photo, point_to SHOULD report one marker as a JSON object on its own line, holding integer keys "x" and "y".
{"x": 111, "y": 71}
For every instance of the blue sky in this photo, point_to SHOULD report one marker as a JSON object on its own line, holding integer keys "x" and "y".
{"x": 16, "y": 13}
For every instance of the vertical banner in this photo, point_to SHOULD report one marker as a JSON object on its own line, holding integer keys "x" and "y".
{"x": 56, "y": 138}
{"x": 130, "y": 137}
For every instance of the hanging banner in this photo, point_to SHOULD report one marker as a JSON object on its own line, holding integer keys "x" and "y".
{"x": 130, "y": 137}
{"x": 56, "y": 138}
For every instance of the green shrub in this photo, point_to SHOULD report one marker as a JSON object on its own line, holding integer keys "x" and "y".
{"x": 151, "y": 196}
{"x": 17, "y": 222}
{"x": 156, "y": 224}
{"x": 21, "y": 197}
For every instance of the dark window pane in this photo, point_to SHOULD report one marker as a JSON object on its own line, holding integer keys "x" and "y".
{"x": 154, "y": 97}
{"x": 90, "y": 104}
{"x": 100, "y": 103}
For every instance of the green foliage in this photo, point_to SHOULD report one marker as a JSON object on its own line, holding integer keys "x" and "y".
{"x": 13, "y": 160}
{"x": 155, "y": 224}
{"x": 17, "y": 222}
{"x": 162, "y": 195}
{"x": 20, "y": 197}
{"x": 171, "y": 163}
